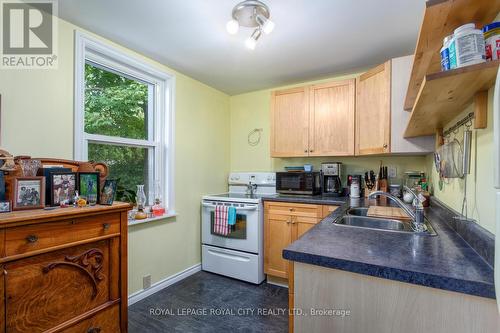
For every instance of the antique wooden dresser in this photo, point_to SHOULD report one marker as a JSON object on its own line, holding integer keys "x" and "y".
{"x": 64, "y": 270}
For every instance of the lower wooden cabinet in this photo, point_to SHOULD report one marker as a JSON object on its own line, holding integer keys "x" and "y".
{"x": 64, "y": 282}
{"x": 283, "y": 224}
{"x": 46, "y": 290}
{"x": 103, "y": 322}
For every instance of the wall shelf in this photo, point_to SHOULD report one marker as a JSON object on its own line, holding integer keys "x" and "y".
{"x": 444, "y": 95}
{"x": 441, "y": 17}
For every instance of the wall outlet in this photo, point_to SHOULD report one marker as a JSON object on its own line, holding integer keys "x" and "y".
{"x": 146, "y": 281}
{"x": 392, "y": 172}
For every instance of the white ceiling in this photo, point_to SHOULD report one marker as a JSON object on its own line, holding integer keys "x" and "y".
{"x": 313, "y": 38}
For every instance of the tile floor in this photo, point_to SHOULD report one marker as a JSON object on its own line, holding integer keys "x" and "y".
{"x": 206, "y": 302}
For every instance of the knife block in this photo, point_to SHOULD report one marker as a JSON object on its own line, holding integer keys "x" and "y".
{"x": 384, "y": 187}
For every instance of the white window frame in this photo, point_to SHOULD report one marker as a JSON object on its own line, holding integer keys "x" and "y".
{"x": 161, "y": 122}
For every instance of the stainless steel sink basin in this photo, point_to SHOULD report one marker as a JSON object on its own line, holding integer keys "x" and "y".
{"x": 370, "y": 222}
{"x": 358, "y": 211}
{"x": 356, "y": 217}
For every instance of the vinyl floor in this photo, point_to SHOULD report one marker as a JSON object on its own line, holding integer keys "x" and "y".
{"x": 206, "y": 302}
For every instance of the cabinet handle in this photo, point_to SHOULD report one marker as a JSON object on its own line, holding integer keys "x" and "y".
{"x": 305, "y": 150}
{"x": 94, "y": 330}
{"x": 312, "y": 150}
{"x": 106, "y": 226}
{"x": 289, "y": 221}
{"x": 291, "y": 209}
{"x": 386, "y": 145}
{"x": 32, "y": 238}
{"x": 293, "y": 221}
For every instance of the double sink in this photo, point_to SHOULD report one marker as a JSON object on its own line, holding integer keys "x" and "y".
{"x": 357, "y": 217}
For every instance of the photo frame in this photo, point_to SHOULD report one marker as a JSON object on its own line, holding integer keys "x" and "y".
{"x": 63, "y": 186}
{"x": 89, "y": 186}
{"x": 28, "y": 193}
{"x": 108, "y": 192}
{"x": 5, "y": 206}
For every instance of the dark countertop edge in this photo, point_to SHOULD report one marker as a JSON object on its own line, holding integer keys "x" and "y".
{"x": 423, "y": 279}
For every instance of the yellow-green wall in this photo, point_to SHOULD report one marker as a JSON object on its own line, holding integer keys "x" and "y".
{"x": 252, "y": 110}
{"x": 37, "y": 120}
{"x": 480, "y": 191}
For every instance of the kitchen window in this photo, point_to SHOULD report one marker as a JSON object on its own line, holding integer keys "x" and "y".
{"x": 124, "y": 118}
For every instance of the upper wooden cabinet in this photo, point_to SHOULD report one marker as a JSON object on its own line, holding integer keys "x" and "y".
{"x": 380, "y": 115}
{"x": 290, "y": 122}
{"x": 373, "y": 111}
{"x": 400, "y": 76}
{"x": 315, "y": 120}
{"x": 331, "y": 119}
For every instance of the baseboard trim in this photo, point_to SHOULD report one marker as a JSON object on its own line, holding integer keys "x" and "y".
{"x": 162, "y": 284}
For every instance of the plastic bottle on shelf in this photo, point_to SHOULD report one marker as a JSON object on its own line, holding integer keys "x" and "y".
{"x": 452, "y": 52}
{"x": 445, "y": 53}
{"x": 469, "y": 45}
{"x": 492, "y": 41}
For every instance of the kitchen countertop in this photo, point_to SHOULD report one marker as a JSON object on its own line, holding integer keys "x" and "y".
{"x": 445, "y": 261}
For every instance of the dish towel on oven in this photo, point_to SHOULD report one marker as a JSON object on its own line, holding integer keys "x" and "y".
{"x": 221, "y": 225}
{"x": 231, "y": 217}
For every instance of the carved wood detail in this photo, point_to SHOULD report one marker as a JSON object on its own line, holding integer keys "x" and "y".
{"x": 84, "y": 263}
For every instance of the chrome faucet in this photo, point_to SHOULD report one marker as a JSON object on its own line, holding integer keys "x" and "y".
{"x": 417, "y": 216}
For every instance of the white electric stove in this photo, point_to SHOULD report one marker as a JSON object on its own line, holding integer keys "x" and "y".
{"x": 240, "y": 254}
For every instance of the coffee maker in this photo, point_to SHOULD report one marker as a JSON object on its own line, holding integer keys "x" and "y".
{"x": 331, "y": 173}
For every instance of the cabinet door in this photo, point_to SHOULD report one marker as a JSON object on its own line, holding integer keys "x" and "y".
{"x": 301, "y": 225}
{"x": 373, "y": 111}
{"x": 277, "y": 236}
{"x": 290, "y": 122}
{"x": 49, "y": 289}
{"x": 327, "y": 210}
{"x": 331, "y": 129}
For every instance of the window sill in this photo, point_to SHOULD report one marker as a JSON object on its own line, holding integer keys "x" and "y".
{"x": 152, "y": 219}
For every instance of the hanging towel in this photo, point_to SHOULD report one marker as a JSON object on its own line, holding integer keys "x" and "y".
{"x": 221, "y": 226}
{"x": 231, "y": 220}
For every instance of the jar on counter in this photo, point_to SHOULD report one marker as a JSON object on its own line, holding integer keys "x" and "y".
{"x": 469, "y": 45}
{"x": 492, "y": 41}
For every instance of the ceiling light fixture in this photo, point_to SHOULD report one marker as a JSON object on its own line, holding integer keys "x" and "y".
{"x": 251, "y": 14}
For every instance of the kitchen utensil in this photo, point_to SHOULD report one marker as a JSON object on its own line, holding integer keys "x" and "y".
{"x": 452, "y": 160}
{"x": 467, "y": 144}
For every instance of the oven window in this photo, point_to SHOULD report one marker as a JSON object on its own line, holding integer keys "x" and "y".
{"x": 237, "y": 231}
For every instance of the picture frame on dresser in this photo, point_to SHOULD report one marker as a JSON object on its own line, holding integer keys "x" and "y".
{"x": 5, "y": 206}
{"x": 28, "y": 193}
{"x": 89, "y": 186}
{"x": 108, "y": 192}
{"x": 63, "y": 187}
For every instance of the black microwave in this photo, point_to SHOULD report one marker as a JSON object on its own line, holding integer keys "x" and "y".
{"x": 305, "y": 183}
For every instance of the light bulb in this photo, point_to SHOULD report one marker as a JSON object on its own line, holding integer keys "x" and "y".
{"x": 232, "y": 27}
{"x": 250, "y": 43}
{"x": 268, "y": 27}
{"x": 266, "y": 24}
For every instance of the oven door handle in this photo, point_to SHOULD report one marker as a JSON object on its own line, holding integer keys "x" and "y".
{"x": 237, "y": 208}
